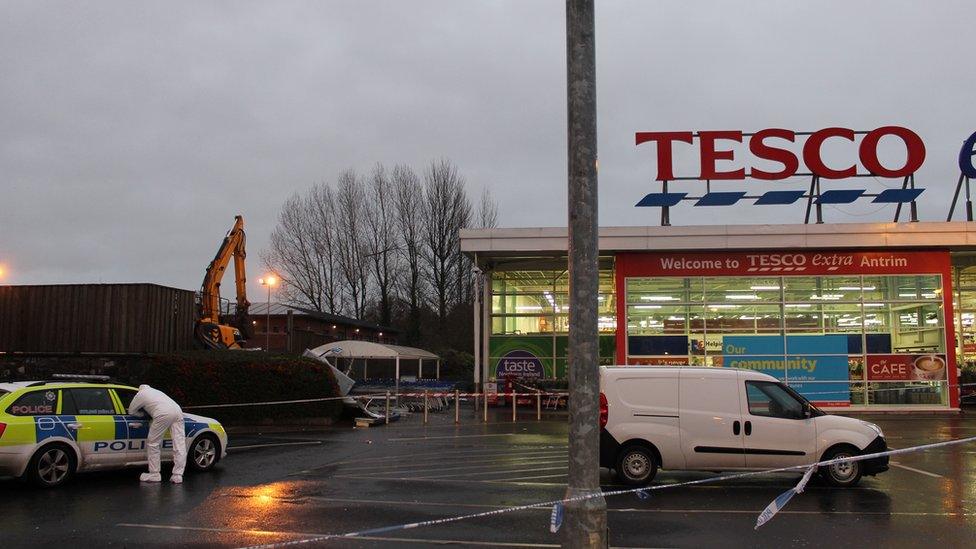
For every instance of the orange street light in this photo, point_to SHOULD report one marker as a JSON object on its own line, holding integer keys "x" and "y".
{"x": 269, "y": 281}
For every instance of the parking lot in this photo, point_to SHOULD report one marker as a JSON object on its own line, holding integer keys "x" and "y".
{"x": 286, "y": 486}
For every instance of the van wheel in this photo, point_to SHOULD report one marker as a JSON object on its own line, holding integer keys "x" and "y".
{"x": 51, "y": 466}
{"x": 636, "y": 465}
{"x": 844, "y": 474}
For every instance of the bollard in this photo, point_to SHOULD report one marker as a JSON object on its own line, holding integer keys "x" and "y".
{"x": 485, "y": 408}
{"x": 514, "y": 400}
{"x": 387, "y": 407}
{"x": 425, "y": 406}
{"x": 457, "y": 406}
{"x": 538, "y": 405}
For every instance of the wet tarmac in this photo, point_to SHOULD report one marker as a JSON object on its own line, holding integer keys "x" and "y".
{"x": 290, "y": 486}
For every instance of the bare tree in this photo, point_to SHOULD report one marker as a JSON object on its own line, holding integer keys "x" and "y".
{"x": 487, "y": 210}
{"x": 381, "y": 240}
{"x": 349, "y": 219}
{"x": 409, "y": 203}
{"x": 300, "y": 253}
{"x": 447, "y": 211}
{"x": 321, "y": 202}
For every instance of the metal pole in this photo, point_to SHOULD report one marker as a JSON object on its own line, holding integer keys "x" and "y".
{"x": 585, "y": 523}
{"x": 476, "y": 310}
{"x": 485, "y": 409}
{"x": 514, "y": 412}
{"x": 267, "y": 325}
{"x": 387, "y": 407}
{"x": 457, "y": 406}
{"x": 425, "y": 406}
{"x": 538, "y": 405}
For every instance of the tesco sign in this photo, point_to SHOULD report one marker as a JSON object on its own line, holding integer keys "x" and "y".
{"x": 768, "y": 145}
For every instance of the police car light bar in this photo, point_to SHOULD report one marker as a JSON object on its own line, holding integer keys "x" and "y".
{"x": 81, "y": 376}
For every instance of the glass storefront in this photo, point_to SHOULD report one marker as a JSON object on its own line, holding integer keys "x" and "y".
{"x": 856, "y": 328}
{"x": 814, "y": 332}
{"x": 530, "y": 322}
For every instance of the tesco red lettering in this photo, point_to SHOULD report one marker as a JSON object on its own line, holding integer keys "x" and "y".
{"x": 711, "y": 150}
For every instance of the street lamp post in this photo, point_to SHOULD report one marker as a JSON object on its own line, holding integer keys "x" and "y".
{"x": 586, "y": 519}
{"x": 268, "y": 281}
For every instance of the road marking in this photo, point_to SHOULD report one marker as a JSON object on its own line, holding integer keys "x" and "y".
{"x": 269, "y": 445}
{"x": 465, "y": 481}
{"x": 397, "y": 503}
{"x": 461, "y": 436}
{"x": 914, "y": 470}
{"x": 506, "y": 463}
{"x": 447, "y": 453}
{"x": 500, "y": 459}
{"x": 426, "y": 541}
{"x": 499, "y": 472}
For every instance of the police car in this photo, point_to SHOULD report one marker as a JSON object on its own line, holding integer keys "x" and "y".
{"x": 49, "y": 430}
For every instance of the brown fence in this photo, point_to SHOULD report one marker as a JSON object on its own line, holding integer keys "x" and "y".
{"x": 96, "y": 318}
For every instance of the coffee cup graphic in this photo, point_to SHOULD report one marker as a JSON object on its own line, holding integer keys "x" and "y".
{"x": 929, "y": 368}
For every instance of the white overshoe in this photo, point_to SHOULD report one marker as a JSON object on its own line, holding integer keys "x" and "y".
{"x": 150, "y": 477}
{"x": 176, "y": 479}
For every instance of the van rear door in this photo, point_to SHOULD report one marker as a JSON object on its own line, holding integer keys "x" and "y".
{"x": 711, "y": 420}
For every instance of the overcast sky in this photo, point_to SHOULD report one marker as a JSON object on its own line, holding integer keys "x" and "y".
{"x": 133, "y": 132}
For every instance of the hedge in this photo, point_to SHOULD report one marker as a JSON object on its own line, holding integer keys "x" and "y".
{"x": 210, "y": 377}
{"x": 232, "y": 377}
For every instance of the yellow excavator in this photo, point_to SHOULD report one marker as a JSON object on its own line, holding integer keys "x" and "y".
{"x": 209, "y": 330}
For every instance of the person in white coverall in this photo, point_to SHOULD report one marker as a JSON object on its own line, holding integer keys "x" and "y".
{"x": 165, "y": 414}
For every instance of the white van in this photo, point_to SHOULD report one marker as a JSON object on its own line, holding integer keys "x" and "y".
{"x": 718, "y": 419}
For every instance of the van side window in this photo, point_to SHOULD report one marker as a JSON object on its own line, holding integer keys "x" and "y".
{"x": 772, "y": 400}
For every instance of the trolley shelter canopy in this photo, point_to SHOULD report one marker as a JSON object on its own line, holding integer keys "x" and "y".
{"x": 368, "y": 350}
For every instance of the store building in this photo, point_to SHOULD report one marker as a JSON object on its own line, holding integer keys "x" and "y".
{"x": 873, "y": 316}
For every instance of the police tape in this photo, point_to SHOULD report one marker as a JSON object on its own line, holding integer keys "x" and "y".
{"x": 273, "y": 402}
{"x": 361, "y": 397}
{"x": 643, "y": 493}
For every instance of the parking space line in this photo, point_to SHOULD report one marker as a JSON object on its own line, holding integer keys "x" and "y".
{"x": 426, "y": 541}
{"x": 914, "y": 470}
{"x": 447, "y": 453}
{"x": 505, "y": 458}
{"x": 271, "y": 444}
{"x": 499, "y": 472}
{"x": 461, "y": 436}
{"x": 498, "y": 463}
{"x": 446, "y": 480}
{"x": 397, "y": 503}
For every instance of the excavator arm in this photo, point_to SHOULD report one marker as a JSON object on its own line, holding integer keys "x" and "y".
{"x": 210, "y": 331}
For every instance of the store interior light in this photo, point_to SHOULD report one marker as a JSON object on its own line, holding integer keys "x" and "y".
{"x": 528, "y": 307}
{"x": 827, "y": 297}
{"x": 744, "y": 297}
{"x": 874, "y": 304}
{"x": 643, "y": 307}
{"x": 724, "y": 306}
{"x": 769, "y": 288}
{"x": 658, "y": 298}
{"x": 799, "y": 305}
{"x": 856, "y": 288}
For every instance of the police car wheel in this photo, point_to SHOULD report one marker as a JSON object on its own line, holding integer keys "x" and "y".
{"x": 204, "y": 453}
{"x": 51, "y": 466}
{"x": 636, "y": 466}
